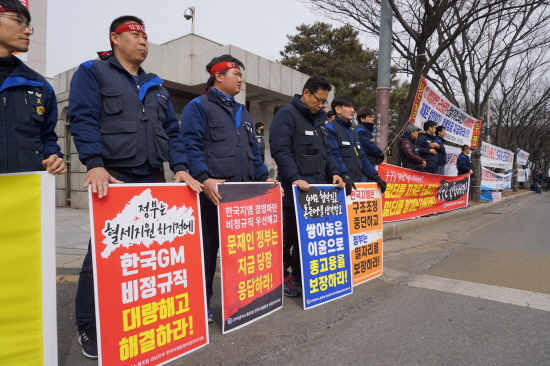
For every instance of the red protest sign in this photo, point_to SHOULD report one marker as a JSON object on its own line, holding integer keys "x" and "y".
{"x": 148, "y": 272}
{"x": 251, "y": 240}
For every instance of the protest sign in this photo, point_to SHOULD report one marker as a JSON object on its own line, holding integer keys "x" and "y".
{"x": 149, "y": 278}
{"x": 452, "y": 157}
{"x": 495, "y": 181}
{"x": 411, "y": 194}
{"x": 430, "y": 105}
{"x": 522, "y": 175}
{"x": 496, "y": 157}
{"x": 364, "y": 206}
{"x": 28, "y": 315}
{"x": 523, "y": 157}
{"x": 324, "y": 252}
{"x": 251, "y": 242}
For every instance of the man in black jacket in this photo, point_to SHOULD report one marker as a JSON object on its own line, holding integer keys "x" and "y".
{"x": 408, "y": 152}
{"x": 427, "y": 147}
{"x": 463, "y": 163}
{"x": 440, "y": 133}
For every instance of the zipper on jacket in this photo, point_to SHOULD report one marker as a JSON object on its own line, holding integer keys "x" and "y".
{"x": 5, "y": 103}
{"x": 26, "y": 102}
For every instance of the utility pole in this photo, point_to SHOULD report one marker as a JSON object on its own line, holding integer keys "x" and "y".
{"x": 384, "y": 76}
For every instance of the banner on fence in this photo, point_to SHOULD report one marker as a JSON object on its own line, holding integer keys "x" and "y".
{"x": 495, "y": 181}
{"x": 365, "y": 232}
{"x": 522, "y": 175}
{"x": 429, "y": 104}
{"x": 28, "y": 335}
{"x": 496, "y": 157}
{"x": 411, "y": 194}
{"x": 251, "y": 242}
{"x": 324, "y": 252}
{"x": 149, "y": 278}
{"x": 523, "y": 157}
{"x": 452, "y": 157}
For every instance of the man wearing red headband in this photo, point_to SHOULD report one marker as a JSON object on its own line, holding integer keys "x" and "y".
{"x": 219, "y": 136}
{"x": 124, "y": 128}
{"x": 29, "y": 114}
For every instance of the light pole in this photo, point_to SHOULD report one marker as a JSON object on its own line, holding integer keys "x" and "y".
{"x": 190, "y": 14}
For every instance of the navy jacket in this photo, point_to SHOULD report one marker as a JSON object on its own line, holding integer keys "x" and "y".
{"x": 298, "y": 144}
{"x": 422, "y": 143}
{"x": 441, "y": 153}
{"x": 220, "y": 141}
{"x": 464, "y": 164}
{"x": 365, "y": 130}
{"x": 28, "y": 115}
{"x": 347, "y": 151}
{"x": 119, "y": 123}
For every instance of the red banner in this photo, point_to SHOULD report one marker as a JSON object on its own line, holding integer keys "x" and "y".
{"x": 149, "y": 279}
{"x": 251, "y": 242}
{"x": 411, "y": 194}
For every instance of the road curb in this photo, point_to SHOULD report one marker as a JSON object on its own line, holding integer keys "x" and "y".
{"x": 397, "y": 229}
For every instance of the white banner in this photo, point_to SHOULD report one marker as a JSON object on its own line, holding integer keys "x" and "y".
{"x": 491, "y": 180}
{"x": 523, "y": 156}
{"x": 429, "y": 105}
{"x": 496, "y": 157}
{"x": 522, "y": 175}
{"x": 452, "y": 156}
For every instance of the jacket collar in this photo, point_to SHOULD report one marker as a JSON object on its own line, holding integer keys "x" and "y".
{"x": 23, "y": 70}
{"x": 344, "y": 124}
{"x": 143, "y": 77}
{"x": 317, "y": 119}
{"x": 368, "y": 126}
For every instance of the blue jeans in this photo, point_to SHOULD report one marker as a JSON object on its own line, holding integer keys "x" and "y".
{"x": 85, "y": 301}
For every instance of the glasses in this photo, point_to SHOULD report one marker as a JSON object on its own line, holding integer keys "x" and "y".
{"x": 319, "y": 100}
{"x": 20, "y": 21}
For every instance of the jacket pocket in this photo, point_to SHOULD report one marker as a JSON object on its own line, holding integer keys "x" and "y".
{"x": 161, "y": 141}
{"x": 29, "y": 148}
{"x": 217, "y": 130}
{"x": 307, "y": 158}
{"x": 119, "y": 140}
{"x": 37, "y": 108}
{"x": 162, "y": 105}
{"x": 111, "y": 100}
{"x": 221, "y": 161}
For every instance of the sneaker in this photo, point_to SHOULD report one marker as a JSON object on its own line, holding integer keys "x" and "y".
{"x": 289, "y": 288}
{"x": 210, "y": 316}
{"x": 295, "y": 280}
{"x": 88, "y": 340}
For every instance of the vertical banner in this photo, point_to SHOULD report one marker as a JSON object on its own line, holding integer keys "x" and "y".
{"x": 148, "y": 272}
{"x": 462, "y": 129}
{"x": 452, "y": 154}
{"x": 324, "y": 252}
{"x": 251, "y": 243}
{"x": 523, "y": 157}
{"x": 364, "y": 206}
{"x": 411, "y": 194}
{"x": 28, "y": 316}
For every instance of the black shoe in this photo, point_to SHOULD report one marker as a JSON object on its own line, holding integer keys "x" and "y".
{"x": 88, "y": 340}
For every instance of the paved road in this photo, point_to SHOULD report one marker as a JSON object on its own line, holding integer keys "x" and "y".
{"x": 473, "y": 291}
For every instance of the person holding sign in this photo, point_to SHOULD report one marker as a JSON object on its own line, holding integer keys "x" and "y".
{"x": 29, "y": 115}
{"x": 124, "y": 128}
{"x": 299, "y": 146}
{"x": 346, "y": 146}
{"x": 219, "y": 135}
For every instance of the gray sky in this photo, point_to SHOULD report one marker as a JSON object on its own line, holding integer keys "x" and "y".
{"x": 77, "y": 29}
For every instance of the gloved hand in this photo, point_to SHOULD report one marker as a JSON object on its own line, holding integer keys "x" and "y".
{"x": 349, "y": 184}
{"x": 380, "y": 182}
{"x": 379, "y": 159}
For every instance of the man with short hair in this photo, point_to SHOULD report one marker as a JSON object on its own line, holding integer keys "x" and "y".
{"x": 408, "y": 152}
{"x": 260, "y": 139}
{"x": 427, "y": 147}
{"x": 366, "y": 130}
{"x": 124, "y": 128}
{"x": 463, "y": 163}
{"x": 220, "y": 140}
{"x": 29, "y": 116}
{"x": 330, "y": 116}
{"x": 347, "y": 148}
{"x": 298, "y": 144}
{"x": 440, "y": 133}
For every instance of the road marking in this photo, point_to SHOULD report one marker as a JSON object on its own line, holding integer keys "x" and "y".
{"x": 506, "y": 295}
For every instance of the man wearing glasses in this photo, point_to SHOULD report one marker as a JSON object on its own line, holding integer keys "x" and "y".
{"x": 298, "y": 143}
{"x": 28, "y": 114}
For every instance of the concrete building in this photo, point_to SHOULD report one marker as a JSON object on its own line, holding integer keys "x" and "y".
{"x": 181, "y": 63}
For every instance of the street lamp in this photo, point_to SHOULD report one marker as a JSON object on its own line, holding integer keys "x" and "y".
{"x": 190, "y": 14}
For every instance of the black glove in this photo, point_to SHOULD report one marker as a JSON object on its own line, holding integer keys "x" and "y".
{"x": 380, "y": 182}
{"x": 349, "y": 184}
{"x": 379, "y": 159}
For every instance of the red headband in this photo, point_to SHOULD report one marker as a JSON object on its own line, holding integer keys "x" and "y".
{"x": 128, "y": 27}
{"x": 226, "y": 65}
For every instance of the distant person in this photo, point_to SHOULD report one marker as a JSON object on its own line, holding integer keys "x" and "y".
{"x": 260, "y": 141}
{"x": 427, "y": 147}
{"x": 463, "y": 163}
{"x": 440, "y": 133}
{"x": 347, "y": 148}
{"x": 29, "y": 113}
{"x": 366, "y": 130}
{"x": 535, "y": 187}
{"x": 408, "y": 152}
{"x": 330, "y": 116}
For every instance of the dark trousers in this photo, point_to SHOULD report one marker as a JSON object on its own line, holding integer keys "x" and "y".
{"x": 291, "y": 243}
{"x": 210, "y": 242}
{"x": 85, "y": 301}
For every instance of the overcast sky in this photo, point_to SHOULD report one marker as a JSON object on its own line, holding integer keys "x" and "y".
{"x": 77, "y": 29}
